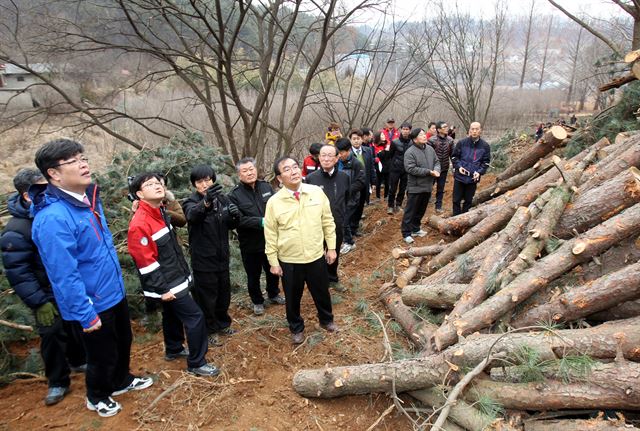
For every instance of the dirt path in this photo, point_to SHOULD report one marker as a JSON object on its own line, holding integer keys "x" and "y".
{"x": 254, "y": 389}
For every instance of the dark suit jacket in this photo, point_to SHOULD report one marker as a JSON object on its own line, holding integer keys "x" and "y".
{"x": 369, "y": 165}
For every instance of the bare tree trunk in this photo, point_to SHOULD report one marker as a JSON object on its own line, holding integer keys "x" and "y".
{"x": 434, "y": 296}
{"x": 570, "y": 254}
{"x": 597, "y": 295}
{"x": 613, "y": 165}
{"x": 546, "y": 51}
{"x": 417, "y": 330}
{"x": 428, "y": 371}
{"x": 427, "y": 250}
{"x": 626, "y": 310}
{"x": 526, "y": 43}
{"x": 574, "y": 65}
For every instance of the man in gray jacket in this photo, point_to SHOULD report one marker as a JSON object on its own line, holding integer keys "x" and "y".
{"x": 422, "y": 166}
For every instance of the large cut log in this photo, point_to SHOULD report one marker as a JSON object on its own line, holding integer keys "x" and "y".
{"x": 622, "y": 311}
{"x": 578, "y": 425}
{"x": 427, "y": 250}
{"x": 607, "y": 386}
{"x": 522, "y": 196}
{"x": 507, "y": 245}
{"x": 600, "y": 342}
{"x": 592, "y": 243}
{"x": 512, "y": 182}
{"x": 552, "y": 139}
{"x": 409, "y": 273}
{"x": 461, "y": 413}
{"x": 599, "y": 203}
{"x": 597, "y": 295}
{"x": 417, "y": 330}
{"x": 544, "y": 223}
{"x": 434, "y": 296}
{"x": 608, "y": 169}
{"x": 624, "y": 253}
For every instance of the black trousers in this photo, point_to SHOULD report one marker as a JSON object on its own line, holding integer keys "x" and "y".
{"x": 60, "y": 346}
{"x": 212, "y": 292}
{"x": 462, "y": 196}
{"x": 108, "y": 353}
{"x": 352, "y": 207}
{"x": 333, "y": 268}
{"x": 354, "y": 221}
{"x": 253, "y": 264}
{"x": 414, "y": 211}
{"x": 183, "y": 315}
{"x": 440, "y": 182}
{"x": 294, "y": 277}
{"x": 397, "y": 188}
{"x": 382, "y": 179}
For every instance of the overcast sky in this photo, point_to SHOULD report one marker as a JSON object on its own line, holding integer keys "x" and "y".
{"x": 417, "y": 9}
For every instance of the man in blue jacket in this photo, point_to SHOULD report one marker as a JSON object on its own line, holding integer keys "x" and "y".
{"x": 60, "y": 345}
{"x": 470, "y": 159}
{"x": 76, "y": 247}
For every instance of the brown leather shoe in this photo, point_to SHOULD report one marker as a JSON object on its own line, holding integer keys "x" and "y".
{"x": 329, "y": 327}
{"x": 297, "y": 338}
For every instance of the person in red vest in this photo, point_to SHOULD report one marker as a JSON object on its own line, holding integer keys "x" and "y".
{"x": 311, "y": 163}
{"x": 390, "y": 130}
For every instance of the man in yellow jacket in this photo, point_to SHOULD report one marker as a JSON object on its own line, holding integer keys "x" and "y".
{"x": 297, "y": 224}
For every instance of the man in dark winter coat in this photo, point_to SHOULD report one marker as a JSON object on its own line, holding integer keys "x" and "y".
{"x": 60, "y": 345}
{"x": 165, "y": 275}
{"x": 397, "y": 174}
{"x": 365, "y": 157}
{"x": 210, "y": 216}
{"x": 422, "y": 166}
{"x": 251, "y": 197}
{"x": 352, "y": 167}
{"x": 336, "y": 185}
{"x": 470, "y": 158}
{"x": 442, "y": 143}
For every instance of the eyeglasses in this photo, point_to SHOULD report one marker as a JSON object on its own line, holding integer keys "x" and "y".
{"x": 83, "y": 159}
{"x": 151, "y": 184}
{"x": 290, "y": 168}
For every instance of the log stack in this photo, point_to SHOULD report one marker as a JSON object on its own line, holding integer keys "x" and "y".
{"x": 542, "y": 287}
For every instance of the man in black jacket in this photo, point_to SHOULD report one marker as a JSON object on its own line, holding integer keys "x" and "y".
{"x": 397, "y": 174}
{"x": 210, "y": 215}
{"x": 60, "y": 346}
{"x": 251, "y": 197}
{"x": 165, "y": 275}
{"x": 365, "y": 157}
{"x": 336, "y": 185}
{"x": 354, "y": 169}
{"x": 470, "y": 159}
{"x": 443, "y": 144}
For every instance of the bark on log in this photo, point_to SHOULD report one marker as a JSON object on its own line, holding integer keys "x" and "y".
{"x": 607, "y": 170}
{"x": 626, "y": 310}
{"x": 624, "y": 253}
{"x": 461, "y": 413}
{"x": 617, "y": 82}
{"x": 597, "y": 295}
{"x": 521, "y": 196}
{"x": 512, "y": 182}
{"x": 572, "y": 253}
{"x": 435, "y": 296}
{"x": 427, "y": 250}
{"x": 418, "y": 373}
{"x": 417, "y": 330}
{"x": 607, "y": 386}
{"x": 552, "y": 139}
{"x": 578, "y": 425}
{"x": 599, "y": 203}
{"x": 506, "y": 246}
{"x": 409, "y": 273}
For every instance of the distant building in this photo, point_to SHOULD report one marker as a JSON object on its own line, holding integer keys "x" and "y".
{"x": 354, "y": 64}
{"x": 15, "y": 82}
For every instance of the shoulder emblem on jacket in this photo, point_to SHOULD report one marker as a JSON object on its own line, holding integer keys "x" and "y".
{"x": 144, "y": 241}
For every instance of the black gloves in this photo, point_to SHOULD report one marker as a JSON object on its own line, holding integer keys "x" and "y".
{"x": 233, "y": 210}
{"x": 213, "y": 192}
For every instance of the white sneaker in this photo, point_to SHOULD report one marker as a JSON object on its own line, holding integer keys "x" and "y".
{"x": 420, "y": 233}
{"x": 137, "y": 384}
{"x": 105, "y": 408}
{"x": 346, "y": 248}
{"x": 409, "y": 240}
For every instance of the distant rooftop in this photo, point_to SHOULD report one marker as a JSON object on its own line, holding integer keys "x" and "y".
{"x": 11, "y": 69}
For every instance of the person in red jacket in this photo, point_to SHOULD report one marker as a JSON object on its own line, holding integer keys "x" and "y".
{"x": 165, "y": 276}
{"x": 311, "y": 163}
{"x": 390, "y": 131}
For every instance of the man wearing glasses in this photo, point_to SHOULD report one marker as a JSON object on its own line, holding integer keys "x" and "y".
{"x": 76, "y": 247}
{"x": 297, "y": 223}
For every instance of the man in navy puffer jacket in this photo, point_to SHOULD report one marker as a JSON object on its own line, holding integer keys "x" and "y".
{"x": 60, "y": 345}
{"x": 470, "y": 159}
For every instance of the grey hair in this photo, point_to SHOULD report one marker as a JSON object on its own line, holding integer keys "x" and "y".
{"x": 244, "y": 161}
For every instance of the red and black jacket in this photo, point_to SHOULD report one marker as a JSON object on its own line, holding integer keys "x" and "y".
{"x": 155, "y": 250}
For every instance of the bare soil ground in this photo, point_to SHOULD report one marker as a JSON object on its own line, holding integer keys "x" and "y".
{"x": 254, "y": 390}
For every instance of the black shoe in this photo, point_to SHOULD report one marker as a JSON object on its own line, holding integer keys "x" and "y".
{"x": 207, "y": 370}
{"x": 357, "y": 233}
{"x": 278, "y": 299}
{"x": 55, "y": 395}
{"x": 184, "y": 353}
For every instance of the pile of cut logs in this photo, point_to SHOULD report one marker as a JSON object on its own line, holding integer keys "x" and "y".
{"x": 541, "y": 289}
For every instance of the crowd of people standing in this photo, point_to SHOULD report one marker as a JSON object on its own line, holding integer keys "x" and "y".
{"x": 60, "y": 258}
